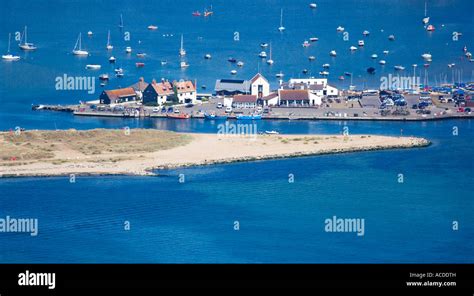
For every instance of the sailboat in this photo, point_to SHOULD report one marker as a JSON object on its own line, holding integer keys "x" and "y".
{"x": 9, "y": 56}
{"x": 281, "y": 28}
{"x": 78, "y": 47}
{"x": 182, "y": 52}
{"x": 270, "y": 61}
{"x": 109, "y": 46}
{"x": 25, "y": 45}
{"x": 426, "y": 19}
{"x": 121, "y": 21}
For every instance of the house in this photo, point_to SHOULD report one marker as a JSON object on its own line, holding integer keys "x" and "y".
{"x": 259, "y": 86}
{"x": 158, "y": 93}
{"x": 231, "y": 87}
{"x": 270, "y": 100}
{"x": 139, "y": 87}
{"x": 185, "y": 92}
{"x": 317, "y": 86}
{"x": 244, "y": 101}
{"x": 118, "y": 96}
{"x": 297, "y": 98}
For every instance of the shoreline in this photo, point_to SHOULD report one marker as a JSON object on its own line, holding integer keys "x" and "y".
{"x": 196, "y": 150}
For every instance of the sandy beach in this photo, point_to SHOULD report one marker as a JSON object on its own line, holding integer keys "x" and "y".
{"x": 138, "y": 151}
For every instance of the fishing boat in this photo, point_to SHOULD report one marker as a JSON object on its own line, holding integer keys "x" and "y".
{"x": 263, "y": 45}
{"x": 240, "y": 64}
{"x": 179, "y": 116}
{"x": 232, "y": 60}
{"x": 361, "y": 43}
{"x": 207, "y": 56}
{"x": 109, "y": 46}
{"x": 270, "y": 61}
{"x": 152, "y": 27}
{"x": 141, "y": 55}
{"x": 313, "y": 39}
{"x": 9, "y": 56}
{"x": 128, "y": 49}
{"x": 93, "y": 67}
{"x": 279, "y": 75}
{"x": 78, "y": 47}
{"x": 430, "y": 28}
{"x": 366, "y": 33}
{"x": 262, "y": 54}
{"x": 306, "y": 44}
{"x": 24, "y": 44}
{"x": 183, "y": 65}
{"x": 182, "y": 52}
{"x": 140, "y": 65}
{"x": 196, "y": 13}
{"x": 233, "y": 72}
{"x": 340, "y": 29}
{"x": 281, "y": 28}
{"x": 374, "y": 56}
{"x": 214, "y": 116}
{"x": 399, "y": 68}
{"x": 272, "y": 133}
{"x": 382, "y": 62}
{"x": 104, "y": 77}
{"x": 333, "y": 53}
{"x": 352, "y": 48}
{"x": 249, "y": 117}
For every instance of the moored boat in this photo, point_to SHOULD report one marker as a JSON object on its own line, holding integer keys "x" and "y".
{"x": 24, "y": 44}
{"x": 179, "y": 116}
{"x": 249, "y": 117}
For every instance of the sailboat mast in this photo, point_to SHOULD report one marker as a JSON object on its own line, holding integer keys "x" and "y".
{"x": 426, "y": 8}
{"x": 281, "y": 17}
{"x": 9, "y": 38}
{"x": 181, "y": 42}
{"x": 108, "y": 38}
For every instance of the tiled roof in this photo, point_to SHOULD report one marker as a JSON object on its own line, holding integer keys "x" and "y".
{"x": 163, "y": 88}
{"x": 298, "y": 95}
{"x": 316, "y": 87}
{"x": 270, "y": 96}
{"x": 184, "y": 86}
{"x": 140, "y": 85}
{"x": 245, "y": 99}
{"x": 121, "y": 92}
{"x": 232, "y": 85}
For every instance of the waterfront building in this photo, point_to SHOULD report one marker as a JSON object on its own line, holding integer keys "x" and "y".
{"x": 118, "y": 96}
{"x": 297, "y": 98}
{"x": 317, "y": 86}
{"x": 185, "y": 92}
{"x": 139, "y": 87}
{"x": 259, "y": 86}
{"x": 158, "y": 93}
{"x": 231, "y": 87}
{"x": 270, "y": 100}
{"x": 244, "y": 101}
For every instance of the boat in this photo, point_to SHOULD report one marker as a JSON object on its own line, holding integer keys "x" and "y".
{"x": 240, "y": 64}
{"x": 333, "y": 53}
{"x": 179, "y": 116}
{"x": 163, "y": 62}
{"x": 340, "y": 29}
{"x": 249, "y": 117}
{"x": 93, "y": 67}
{"x": 183, "y": 65}
{"x": 374, "y": 56}
{"x": 281, "y": 28}
{"x": 24, "y": 44}
{"x": 121, "y": 22}
{"x": 366, "y": 33}
{"x": 233, "y": 72}
{"x": 196, "y": 13}
{"x": 306, "y": 44}
{"x": 208, "y": 12}
{"x": 78, "y": 47}
{"x": 109, "y": 46}
{"x": 118, "y": 70}
{"x": 104, "y": 77}
{"x": 279, "y": 75}
{"x": 232, "y": 60}
{"x": 430, "y": 28}
{"x": 215, "y": 116}
{"x": 119, "y": 75}
{"x": 272, "y": 133}
{"x": 9, "y": 56}
{"x": 382, "y": 62}
{"x": 313, "y": 5}
{"x": 391, "y": 37}
{"x": 361, "y": 43}
{"x": 270, "y": 61}
{"x": 426, "y": 56}
{"x": 208, "y": 56}
{"x": 262, "y": 54}
{"x": 385, "y": 52}
{"x": 313, "y": 39}
{"x": 182, "y": 52}
{"x": 326, "y": 66}
{"x": 152, "y": 27}
{"x": 348, "y": 73}
{"x": 341, "y": 77}
{"x": 305, "y": 71}
{"x": 426, "y": 19}
{"x": 352, "y": 48}
{"x": 468, "y": 55}
{"x": 140, "y": 65}
{"x": 324, "y": 73}
{"x": 263, "y": 45}
{"x": 128, "y": 49}
{"x": 371, "y": 70}
{"x": 90, "y": 33}
{"x": 311, "y": 58}
{"x": 399, "y": 68}
{"x": 141, "y": 55}
{"x": 464, "y": 48}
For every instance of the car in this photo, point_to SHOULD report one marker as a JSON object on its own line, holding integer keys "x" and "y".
{"x": 228, "y": 109}
{"x": 414, "y": 106}
{"x": 219, "y": 105}
{"x": 189, "y": 105}
{"x": 176, "y": 111}
{"x": 467, "y": 110}
{"x": 163, "y": 110}
{"x": 259, "y": 109}
{"x": 156, "y": 110}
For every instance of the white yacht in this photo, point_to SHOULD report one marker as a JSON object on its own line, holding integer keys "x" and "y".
{"x": 281, "y": 28}
{"x": 109, "y": 46}
{"x": 78, "y": 47}
{"x": 24, "y": 45}
{"x": 182, "y": 52}
{"x": 9, "y": 56}
{"x": 333, "y": 53}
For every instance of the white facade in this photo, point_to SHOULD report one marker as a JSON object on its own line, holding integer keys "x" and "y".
{"x": 259, "y": 86}
{"x": 310, "y": 81}
{"x": 315, "y": 99}
{"x": 228, "y": 101}
{"x": 187, "y": 97}
{"x": 272, "y": 102}
{"x": 327, "y": 89}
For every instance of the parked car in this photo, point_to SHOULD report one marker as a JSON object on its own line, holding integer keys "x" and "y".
{"x": 219, "y": 105}
{"x": 228, "y": 109}
{"x": 156, "y": 110}
{"x": 176, "y": 111}
{"x": 170, "y": 109}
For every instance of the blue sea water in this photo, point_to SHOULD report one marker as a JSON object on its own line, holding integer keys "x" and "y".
{"x": 279, "y": 221}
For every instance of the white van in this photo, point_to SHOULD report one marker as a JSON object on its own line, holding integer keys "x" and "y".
{"x": 228, "y": 109}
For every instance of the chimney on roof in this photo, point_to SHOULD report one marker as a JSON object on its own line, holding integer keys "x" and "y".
{"x": 153, "y": 81}
{"x": 141, "y": 79}
{"x": 162, "y": 80}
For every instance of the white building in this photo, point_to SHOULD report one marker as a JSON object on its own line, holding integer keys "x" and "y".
{"x": 185, "y": 92}
{"x": 259, "y": 86}
{"x": 317, "y": 86}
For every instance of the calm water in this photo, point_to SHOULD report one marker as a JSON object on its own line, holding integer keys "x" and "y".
{"x": 279, "y": 222}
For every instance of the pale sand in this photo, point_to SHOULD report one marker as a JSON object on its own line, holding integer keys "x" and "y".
{"x": 200, "y": 150}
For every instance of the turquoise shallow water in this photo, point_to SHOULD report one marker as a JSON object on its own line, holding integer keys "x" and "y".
{"x": 279, "y": 221}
